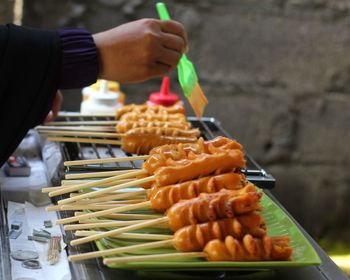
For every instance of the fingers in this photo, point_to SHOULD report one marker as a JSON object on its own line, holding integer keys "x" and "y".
{"x": 168, "y": 57}
{"x": 173, "y": 42}
{"x": 56, "y": 106}
{"x": 57, "y": 103}
{"x": 176, "y": 28}
{"x": 49, "y": 117}
{"x": 160, "y": 69}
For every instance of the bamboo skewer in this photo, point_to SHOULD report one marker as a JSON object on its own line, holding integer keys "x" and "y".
{"x": 109, "y": 189}
{"x": 121, "y": 216}
{"x": 69, "y": 123}
{"x": 84, "y": 140}
{"x": 114, "y": 197}
{"x": 107, "y": 200}
{"x": 114, "y": 251}
{"x": 118, "y": 194}
{"x": 99, "y": 220}
{"x": 98, "y": 182}
{"x": 122, "y": 195}
{"x": 101, "y": 224}
{"x": 77, "y": 133}
{"x": 107, "y": 224}
{"x": 96, "y": 174}
{"x": 118, "y": 231}
{"x": 101, "y": 213}
{"x": 66, "y": 183}
{"x": 105, "y": 141}
{"x": 77, "y": 128}
{"x": 131, "y": 235}
{"x": 75, "y": 206}
{"x": 104, "y": 160}
{"x": 94, "y": 207}
{"x": 116, "y": 260}
{"x": 69, "y": 182}
{"x": 77, "y": 114}
{"x": 79, "y": 182}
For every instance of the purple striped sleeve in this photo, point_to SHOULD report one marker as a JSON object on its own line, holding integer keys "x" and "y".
{"x": 79, "y": 66}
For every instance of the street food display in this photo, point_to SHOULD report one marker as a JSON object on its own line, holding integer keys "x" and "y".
{"x": 139, "y": 128}
{"x": 193, "y": 192}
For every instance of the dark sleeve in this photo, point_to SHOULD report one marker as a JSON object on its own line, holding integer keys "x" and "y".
{"x": 79, "y": 58}
{"x": 30, "y": 62}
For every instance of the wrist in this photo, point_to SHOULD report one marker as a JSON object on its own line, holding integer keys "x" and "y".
{"x": 104, "y": 55}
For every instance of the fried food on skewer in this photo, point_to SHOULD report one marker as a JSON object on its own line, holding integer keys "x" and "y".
{"x": 194, "y": 237}
{"x": 249, "y": 249}
{"x": 162, "y": 198}
{"x": 165, "y": 155}
{"x": 204, "y": 208}
{"x": 154, "y": 109}
{"x": 124, "y": 126}
{"x": 164, "y": 131}
{"x": 222, "y": 162}
{"x": 211, "y": 207}
{"x": 153, "y": 117}
{"x": 266, "y": 248}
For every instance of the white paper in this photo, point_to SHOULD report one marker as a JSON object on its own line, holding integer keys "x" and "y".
{"x": 33, "y": 218}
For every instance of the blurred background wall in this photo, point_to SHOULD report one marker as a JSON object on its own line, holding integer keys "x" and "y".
{"x": 277, "y": 75}
{"x": 6, "y": 10}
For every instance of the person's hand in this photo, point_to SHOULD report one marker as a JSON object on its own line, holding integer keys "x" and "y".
{"x": 140, "y": 50}
{"x": 56, "y": 106}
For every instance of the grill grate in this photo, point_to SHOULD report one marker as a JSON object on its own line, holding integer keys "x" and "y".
{"x": 209, "y": 127}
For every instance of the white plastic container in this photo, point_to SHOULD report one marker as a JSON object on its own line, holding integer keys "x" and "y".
{"x": 102, "y": 100}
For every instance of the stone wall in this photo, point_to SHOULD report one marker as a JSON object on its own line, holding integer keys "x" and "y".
{"x": 6, "y": 11}
{"x": 277, "y": 75}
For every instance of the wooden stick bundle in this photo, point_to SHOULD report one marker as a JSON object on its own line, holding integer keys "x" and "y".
{"x": 131, "y": 235}
{"x": 116, "y": 260}
{"x": 94, "y": 207}
{"x": 70, "y": 123}
{"x": 109, "y": 197}
{"x": 119, "y": 216}
{"x": 78, "y": 114}
{"x": 84, "y": 140}
{"x": 79, "y": 182}
{"x": 118, "y": 231}
{"x": 104, "y": 190}
{"x": 104, "y": 160}
{"x": 102, "y": 224}
{"x": 102, "y": 213}
{"x": 49, "y": 133}
{"x": 109, "y": 252}
{"x": 97, "y": 183}
{"x": 77, "y": 128}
